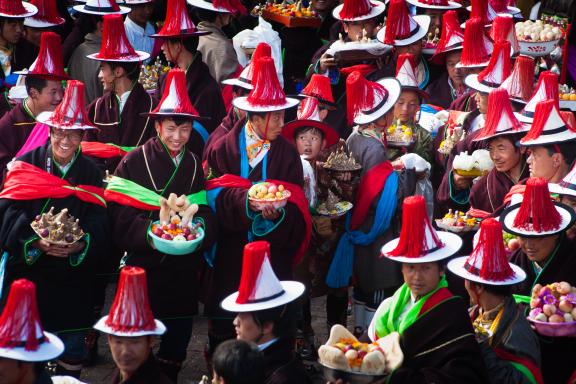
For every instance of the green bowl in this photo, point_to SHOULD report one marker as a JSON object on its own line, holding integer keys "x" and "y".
{"x": 176, "y": 248}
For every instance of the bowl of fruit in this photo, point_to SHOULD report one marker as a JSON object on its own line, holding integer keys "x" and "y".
{"x": 553, "y": 309}
{"x": 175, "y": 238}
{"x": 268, "y": 195}
{"x": 536, "y": 38}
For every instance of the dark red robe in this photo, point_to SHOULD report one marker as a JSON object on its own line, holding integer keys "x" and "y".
{"x": 15, "y": 127}
{"x": 440, "y": 93}
{"x": 172, "y": 280}
{"x": 283, "y": 163}
{"x": 464, "y": 103}
{"x": 129, "y": 128}
{"x": 226, "y": 126}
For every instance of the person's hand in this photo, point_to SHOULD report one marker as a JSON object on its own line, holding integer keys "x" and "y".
{"x": 270, "y": 213}
{"x": 461, "y": 182}
{"x": 343, "y": 176}
{"x": 327, "y": 62}
{"x": 56, "y": 250}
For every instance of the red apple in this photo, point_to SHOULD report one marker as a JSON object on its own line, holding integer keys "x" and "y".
{"x": 167, "y": 236}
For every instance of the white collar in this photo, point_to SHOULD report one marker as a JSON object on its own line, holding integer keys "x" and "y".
{"x": 123, "y": 98}
{"x": 262, "y": 347}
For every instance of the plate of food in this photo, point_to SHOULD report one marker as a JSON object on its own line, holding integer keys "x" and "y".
{"x": 333, "y": 207}
{"x": 458, "y": 222}
{"x": 344, "y": 357}
{"x": 475, "y": 165}
{"x": 176, "y": 238}
{"x": 340, "y": 161}
{"x": 57, "y": 228}
{"x": 431, "y": 43}
{"x": 553, "y": 309}
{"x": 399, "y": 135}
{"x": 290, "y": 15}
{"x": 266, "y": 194}
{"x": 537, "y": 38}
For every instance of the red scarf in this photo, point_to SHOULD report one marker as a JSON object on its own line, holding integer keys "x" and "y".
{"x": 25, "y": 181}
{"x": 102, "y": 150}
{"x": 371, "y": 185}
{"x": 297, "y": 198}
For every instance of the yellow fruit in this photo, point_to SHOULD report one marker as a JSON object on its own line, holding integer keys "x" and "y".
{"x": 573, "y": 97}
{"x": 565, "y": 96}
{"x": 260, "y": 195}
{"x": 279, "y": 195}
{"x": 281, "y": 188}
{"x": 270, "y": 196}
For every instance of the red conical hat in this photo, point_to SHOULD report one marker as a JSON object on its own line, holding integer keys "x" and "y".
{"x": 234, "y": 7}
{"x": 520, "y": 84}
{"x": 22, "y": 336}
{"x": 308, "y": 115}
{"x": 546, "y": 89}
{"x": 101, "y": 7}
{"x": 47, "y": 15}
{"x": 356, "y": 10}
{"x": 17, "y": 9}
{"x": 477, "y": 46}
{"x": 419, "y": 242}
{"x": 488, "y": 262}
{"x": 130, "y": 314}
{"x": 367, "y": 101}
{"x": 569, "y": 119}
{"x": 245, "y": 78}
{"x": 436, "y": 4}
{"x": 259, "y": 287}
{"x": 71, "y": 112}
{"x": 48, "y": 64}
{"x": 115, "y": 44}
{"x": 482, "y": 10}
{"x": 548, "y": 126}
{"x": 500, "y": 120}
{"x": 401, "y": 28}
{"x": 407, "y": 74}
{"x": 177, "y": 22}
{"x": 175, "y": 100}
{"x": 267, "y": 94}
{"x": 451, "y": 38}
{"x": 319, "y": 87}
{"x": 498, "y": 69}
{"x": 503, "y": 29}
{"x": 308, "y": 109}
{"x": 568, "y": 184}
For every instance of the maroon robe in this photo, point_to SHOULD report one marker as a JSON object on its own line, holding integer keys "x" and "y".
{"x": 464, "y": 103}
{"x": 206, "y": 96}
{"x": 226, "y": 126}
{"x": 127, "y": 129}
{"x": 15, "y": 127}
{"x": 283, "y": 163}
{"x": 24, "y": 54}
{"x": 172, "y": 282}
{"x": 440, "y": 93}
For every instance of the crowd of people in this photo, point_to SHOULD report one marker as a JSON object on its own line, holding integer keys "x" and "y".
{"x": 289, "y": 163}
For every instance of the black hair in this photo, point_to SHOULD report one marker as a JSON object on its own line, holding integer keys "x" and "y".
{"x": 250, "y": 115}
{"x": 206, "y": 15}
{"x": 34, "y": 82}
{"x": 513, "y": 138}
{"x": 178, "y": 120}
{"x": 566, "y": 149}
{"x": 239, "y": 362}
{"x": 240, "y": 91}
{"x": 498, "y": 290}
{"x": 190, "y": 43}
{"x": 132, "y": 69}
{"x": 303, "y": 130}
{"x": 282, "y": 319}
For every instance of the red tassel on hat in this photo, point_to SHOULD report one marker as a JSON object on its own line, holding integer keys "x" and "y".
{"x": 450, "y": 30}
{"x": 308, "y": 109}
{"x": 177, "y": 19}
{"x": 177, "y": 77}
{"x": 474, "y": 50}
{"x": 12, "y": 7}
{"x": 488, "y": 260}
{"x": 115, "y": 43}
{"x": 499, "y": 109}
{"x": 47, "y": 11}
{"x": 503, "y": 29}
{"x": 49, "y": 62}
{"x": 415, "y": 227}
{"x": 267, "y": 89}
{"x": 233, "y": 6}
{"x": 548, "y": 83}
{"x": 499, "y": 6}
{"x": 520, "y": 84}
{"x": 262, "y": 50}
{"x": 479, "y": 10}
{"x": 499, "y": 67}
{"x": 569, "y": 119}
{"x": 319, "y": 87}
{"x": 254, "y": 254}
{"x": 537, "y": 212}
{"x": 130, "y": 311}
{"x": 405, "y": 57}
{"x": 71, "y": 110}
{"x": 360, "y": 94}
{"x": 355, "y": 8}
{"x": 541, "y": 115}
{"x": 398, "y": 22}
{"x": 20, "y": 321}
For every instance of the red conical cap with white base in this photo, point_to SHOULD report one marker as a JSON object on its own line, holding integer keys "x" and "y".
{"x": 546, "y": 89}
{"x": 175, "y": 100}
{"x": 49, "y": 64}
{"x": 451, "y": 38}
{"x": 503, "y": 29}
{"x": 47, "y": 15}
{"x": 548, "y": 126}
{"x": 71, "y": 112}
{"x": 356, "y": 10}
{"x": 498, "y": 69}
{"x": 401, "y": 28}
{"x": 115, "y": 44}
{"x": 500, "y": 119}
{"x": 520, "y": 83}
{"x": 366, "y": 101}
{"x": 319, "y": 87}
{"x": 477, "y": 46}
{"x": 245, "y": 78}
{"x": 17, "y": 9}
{"x": 177, "y": 22}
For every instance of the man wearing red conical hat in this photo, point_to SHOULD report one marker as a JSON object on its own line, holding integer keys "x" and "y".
{"x": 180, "y": 47}
{"x": 47, "y": 19}
{"x": 319, "y": 88}
{"x": 117, "y": 112}
{"x": 520, "y": 83}
{"x": 265, "y": 315}
{"x": 546, "y": 255}
{"x": 254, "y": 151}
{"x": 131, "y": 328}
{"x": 161, "y": 167}
{"x": 47, "y": 180}
{"x": 436, "y": 335}
{"x": 509, "y": 346}
{"x": 44, "y": 88}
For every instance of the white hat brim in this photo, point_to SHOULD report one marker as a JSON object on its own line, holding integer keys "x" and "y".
{"x": 80, "y": 8}
{"x": 423, "y": 22}
{"x": 378, "y": 8}
{"x": 479, "y": 65}
{"x": 565, "y": 135}
{"x": 102, "y": 327}
{"x": 135, "y": 2}
{"x": 472, "y": 82}
{"x": 451, "y": 5}
{"x": 141, "y": 57}
{"x": 394, "y": 89}
{"x": 44, "y": 118}
{"x": 456, "y": 266}
{"x": 560, "y": 190}
{"x": 243, "y": 104}
{"x": 452, "y": 244}
{"x": 48, "y": 350}
{"x": 524, "y": 129}
{"x": 238, "y": 83}
{"x": 292, "y": 291}
{"x": 207, "y": 6}
{"x": 32, "y": 22}
{"x": 31, "y": 10}
{"x": 507, "y": 219}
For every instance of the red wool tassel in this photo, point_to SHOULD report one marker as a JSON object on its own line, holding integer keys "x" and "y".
{"x": 569, "y": 119}
{"x": 130, "y": 311}
{"x": 254, "y": 254}
{"x": 405, "y": 57}
{"x": 474, "y": 48}
{"x": 479, "y": 10}
{"x": 521, "y": 82}
{"x": 361, "y": 94}
{"x": 49, "y": 61}
{"x": 537, "y": 211}
{"x": 415, "y": 225}
{"x": 20, "y": 320}
{"x": 548, "y": 82}
{"x": 397, "y": 22}
{"x": 267, "y": 90}
{"x": 183, "y": 105}
{"x": 47, "y": 11}
{"x": 177, "y": 20}
{"x": 355, "y": 8}
{"x": 490, "y": 254}
{"x": 501, "y": 26}
{"x": 12, "y": 7}
{"x": 499, "y": 6}
{"x": 115, "y": 43}
{"x": 450, "y": 27}
{"x": 541, "y": 115}
{"x": 499, "y": 67}
{"x": 233, "y": 6}
{"x": 72, "y": 108}
{"x": 499, "y": 109}
{"x": 319, "y": 87}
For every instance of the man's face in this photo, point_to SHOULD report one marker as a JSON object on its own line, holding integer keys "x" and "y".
{"x": 50, "y": 96}
{"x": 141, "y": 13}
{"x": 422, "y": 278}
{"x": 541, "y": 163}
{"x": 269, "y": 126}
{"x": 12, "y": 371}
{"x": 322, "y": 6}
{"x": 173, "y": 136}
{"x": 33, "y": 35}
{"x": 457, "y": 75}
{"x": 435, "y": 19}
{"x": 310, "y": 143}
{"x": 538, "y": 249}
{"x": 481, "y": 101}
{"x": 406, "y": 107}
{"x": 129, "y": 353}
{"x": 246, "y": 328}
{"x": 504, "y": 154}
{"x": 171, "y": 50}
{"x": 106, "y": 76}
{"x": 415, "y": 49}
{"x": 12, "y": 29}
{"x": 354, "y": 29}
{"x": 65, "y": 143}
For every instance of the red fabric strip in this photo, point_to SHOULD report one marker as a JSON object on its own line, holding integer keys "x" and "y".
{"x": 122, "y": 199}
{"x": 438, "y": 297}
{"x": 371, "y": 185}
{"x": 533, "y": 368}
{"x": 101, "y": 150}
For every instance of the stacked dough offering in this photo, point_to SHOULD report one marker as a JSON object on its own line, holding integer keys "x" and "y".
{"x": 537, "y": 31}
{"x": 476, "y": 164}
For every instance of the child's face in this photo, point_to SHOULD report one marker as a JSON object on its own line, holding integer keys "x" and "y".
{"x": 309, "y": 144}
